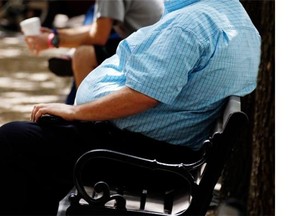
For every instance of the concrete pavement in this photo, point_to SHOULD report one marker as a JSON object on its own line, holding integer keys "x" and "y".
{"x": 25, "y": 79}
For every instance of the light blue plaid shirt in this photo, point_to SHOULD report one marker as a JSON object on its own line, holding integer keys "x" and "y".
{"x": 197, "y": 55}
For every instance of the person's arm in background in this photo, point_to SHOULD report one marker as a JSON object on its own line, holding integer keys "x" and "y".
{"x": 122, "y": 103}
{"x": 97, "y": 33}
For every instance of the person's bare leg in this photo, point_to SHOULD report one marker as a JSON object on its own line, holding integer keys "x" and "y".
{"x": 83, "y": 62}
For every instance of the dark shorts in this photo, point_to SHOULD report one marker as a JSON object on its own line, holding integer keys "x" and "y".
{"x": 103, "y": 52}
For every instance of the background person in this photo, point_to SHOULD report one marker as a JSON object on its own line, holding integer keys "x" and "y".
{"x": 120, "y": 16}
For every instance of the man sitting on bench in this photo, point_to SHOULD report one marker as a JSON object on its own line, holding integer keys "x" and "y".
{"x": 167, "y": 83}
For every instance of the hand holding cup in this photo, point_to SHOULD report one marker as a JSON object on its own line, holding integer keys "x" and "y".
{"x": 31, "y": 26}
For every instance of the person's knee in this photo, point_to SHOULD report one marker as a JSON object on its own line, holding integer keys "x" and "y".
{"x": 12, "y": 128}
{"x": 79, "y": 55}
{"x": 83, "y": 62}
{"x": 83, "y": 56}
{"x": 14, "y": 134}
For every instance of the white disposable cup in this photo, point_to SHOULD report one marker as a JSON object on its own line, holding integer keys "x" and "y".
{"x": 31, "y": 26}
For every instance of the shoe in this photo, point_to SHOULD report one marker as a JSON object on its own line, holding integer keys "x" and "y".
{"x": 61, "y": 66}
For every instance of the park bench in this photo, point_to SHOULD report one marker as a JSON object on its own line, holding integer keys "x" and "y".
{"x": 125, "y": 184}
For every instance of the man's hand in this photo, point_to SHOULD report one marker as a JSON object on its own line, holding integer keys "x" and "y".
{"x": 38, "y": 43}
{"x": 57, "y": 109}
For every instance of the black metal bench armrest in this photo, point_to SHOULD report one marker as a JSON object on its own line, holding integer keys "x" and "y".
{"x": 144, "y": 164}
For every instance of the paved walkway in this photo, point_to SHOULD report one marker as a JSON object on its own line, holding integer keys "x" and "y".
{"x": 25, "y": 79}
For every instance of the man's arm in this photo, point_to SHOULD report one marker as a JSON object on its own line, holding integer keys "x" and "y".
{"x": 122, "y": 103}
{"x": 97, "y": 33}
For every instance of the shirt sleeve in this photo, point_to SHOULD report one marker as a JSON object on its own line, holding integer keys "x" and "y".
{"x": 160, "y": 66}
{"x": 114, "y": 9}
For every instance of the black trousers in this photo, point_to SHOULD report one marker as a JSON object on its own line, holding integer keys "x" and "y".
{"x": 37, "y": 160}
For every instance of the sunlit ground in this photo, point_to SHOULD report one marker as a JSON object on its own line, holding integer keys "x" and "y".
{"x": 25, "y": 79}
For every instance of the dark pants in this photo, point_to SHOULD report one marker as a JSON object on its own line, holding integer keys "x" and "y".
{"x": 37, "y": 160}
